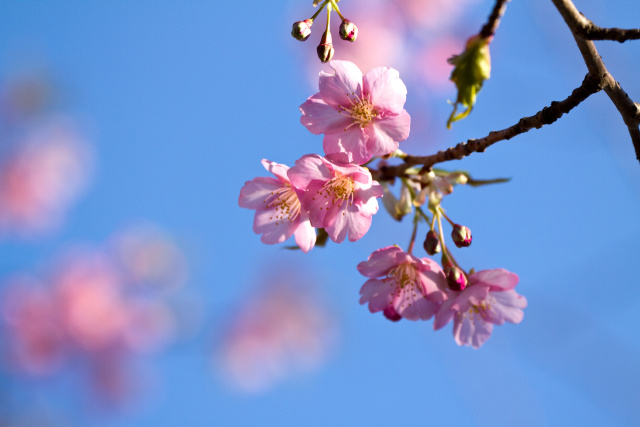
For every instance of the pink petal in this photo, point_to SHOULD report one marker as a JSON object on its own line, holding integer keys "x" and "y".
{"x": 415, "y": 307}
{"x": 319, "y": 117}
{"x": 315, "y": 204}
{"x": 308, "y": 168}
{"x": 366, "y": 197}
{"x": 471, "y": 330}
{"x": 498, "y": 279}
{"x": 378, "y": 142}
{"x": 445, "y": 312}
{"x": 336, "y": 88}
{"x": 505, "y": 306}
{"x": 376, "y": 293}
{"x": 349, "y": 220}
{"x": 385, "y": 88}
{"x": 349, "y": 146}
{"x": 434, "y": 283}
{"x": 254, "y": 193}
{"x": 272, "y": 230}
{"x": 396, "y": 127}
{"x": 380, "y": 262}
{"x": 277, "y": 169}
{"x": 305, "y": 236}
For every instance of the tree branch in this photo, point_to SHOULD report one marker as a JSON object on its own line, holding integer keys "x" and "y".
{"x": 489, "y": 29}
{"x": 587, "y": 30}
{"x": 590, "y": 85}
{"x": 629, "y": 110}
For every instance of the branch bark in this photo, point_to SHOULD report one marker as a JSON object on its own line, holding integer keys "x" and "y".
{"x": 489, "y": 29}
{"x": 629, "y": 110}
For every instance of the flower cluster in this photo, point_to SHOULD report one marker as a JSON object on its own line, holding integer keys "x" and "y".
{"x": 96, "y": 309}
{"x": 363, "y": 120}
{"x": 360, "y": 118}
{"x": 404, "y": 286}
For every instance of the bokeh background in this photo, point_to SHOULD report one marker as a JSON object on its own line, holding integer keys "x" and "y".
{"x": 134, "y": 292}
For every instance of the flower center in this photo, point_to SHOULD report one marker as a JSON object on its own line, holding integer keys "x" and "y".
{"x": 405, "y": 285}
{"x": 404, "y": 276}
{"x": 340, "y": 189}
{"x": 362, "y": 111}
{"x": 285, "y": 203}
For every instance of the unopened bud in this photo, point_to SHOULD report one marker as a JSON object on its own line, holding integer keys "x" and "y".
{"x": 302, "y": 29}
{"x": 456, "y": 279}
{"x": 325, "y": 48}
{"x": 348, "y": 31}
{"x": 461, "y": 236}
{"x": 432, "y": 243}
{"x": 391, "y": 314}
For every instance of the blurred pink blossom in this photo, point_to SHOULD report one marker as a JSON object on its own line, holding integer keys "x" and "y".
{"x": 86, "y": 311}
{"x": 280, "y": 332}
{"x": 41, "y": 175}
{"x": 32, "y": 321}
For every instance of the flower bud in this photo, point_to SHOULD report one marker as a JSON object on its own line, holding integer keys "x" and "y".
{"x": 325, "y": 48}
{"x": 391, "y": 313}
{"x": 456, "y": 279}
{"x": 348, "y": 31}
{"x": 302, "y": 29}
{"x": 461, "y": 236}
{"x": 432, "y": 243}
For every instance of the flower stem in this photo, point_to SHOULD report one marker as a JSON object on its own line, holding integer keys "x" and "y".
{"x": 416, "y": 219}
{"x": 335, "y": 7}
{"x": 446, "y": 217}
{"x": 315, "y": 15}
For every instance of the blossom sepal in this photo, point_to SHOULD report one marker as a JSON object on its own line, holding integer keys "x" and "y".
{"x": 348, "y": 30}
{"x": 325, "y": 49}
{"x": 302, "y": 29}
{"x": 461, "y": 236}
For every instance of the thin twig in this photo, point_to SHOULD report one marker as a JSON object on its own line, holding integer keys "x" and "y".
{"x": 629, "y": 110}
{"x": 489, "y": 29}
{"x": 546, "y": 116}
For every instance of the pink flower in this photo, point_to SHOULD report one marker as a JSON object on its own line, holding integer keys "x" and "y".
{"x": 277, "y": 333}
{"x": 360, "y": 118}
{"x": 488, "y": 300}
{"x": 339, "y": 199}
{"x": 277, "y": 205}
{"x": 402, "y": 285}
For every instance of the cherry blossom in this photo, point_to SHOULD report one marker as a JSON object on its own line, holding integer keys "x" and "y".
{"x": 41, "y": 176}
{"x": 278, "y": 210}
{"x": 339, "y": 198}
{"x": 402, "y": 285}
{"x": 279, "y": 332}
{"x": 488, "y": 300}
{"x": 359, "y": 117}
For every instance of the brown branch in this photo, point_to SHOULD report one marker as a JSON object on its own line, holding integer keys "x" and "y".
{"x": 590, "y": 85}
{"x": 629, "y": 110}
{"x": 489, "y": 29}
{"x": 587, "y": 30}
{"x": 592, "y": 32}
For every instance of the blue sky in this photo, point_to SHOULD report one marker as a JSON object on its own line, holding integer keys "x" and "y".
{"x": 182, "y": 100}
